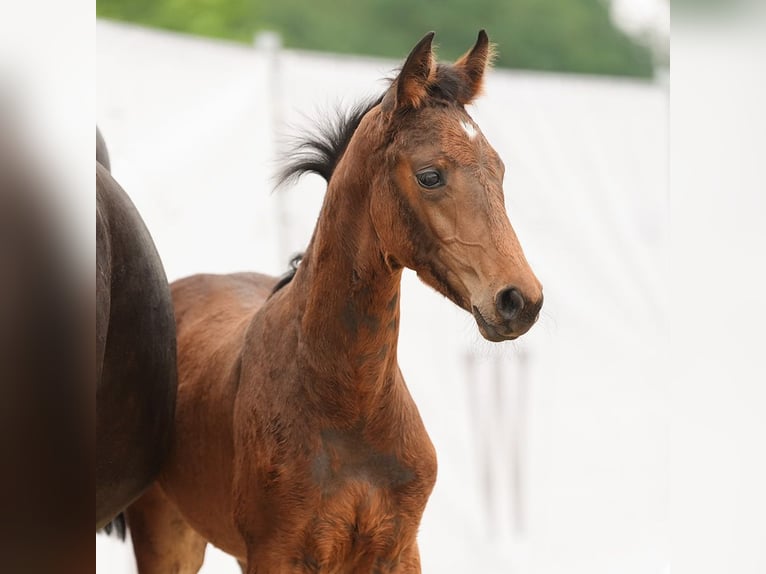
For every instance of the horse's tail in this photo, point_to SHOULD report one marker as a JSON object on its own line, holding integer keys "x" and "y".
{"x": 117, "y": 526}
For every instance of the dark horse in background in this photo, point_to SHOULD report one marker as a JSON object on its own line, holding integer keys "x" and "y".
{"x": 136, "y": 350}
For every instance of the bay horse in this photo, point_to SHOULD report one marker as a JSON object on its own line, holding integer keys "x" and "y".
{"x": 297, "y": 445}
{"x": 136, "y": 350}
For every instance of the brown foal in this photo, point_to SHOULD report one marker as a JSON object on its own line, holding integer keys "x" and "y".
{"x": 297, "y": 445}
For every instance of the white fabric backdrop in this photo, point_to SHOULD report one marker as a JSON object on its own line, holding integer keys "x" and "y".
{"x": 553, "y": 449}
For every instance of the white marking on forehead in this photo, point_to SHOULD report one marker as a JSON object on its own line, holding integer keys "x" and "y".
{"x": 469, "y": 129}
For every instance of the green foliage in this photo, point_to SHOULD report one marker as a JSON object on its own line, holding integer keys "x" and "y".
{"x": 233, "y": 19}
{"x": 557, "y": 35}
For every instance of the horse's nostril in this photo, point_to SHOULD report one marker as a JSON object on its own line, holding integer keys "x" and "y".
{"x": 509, "y": 303}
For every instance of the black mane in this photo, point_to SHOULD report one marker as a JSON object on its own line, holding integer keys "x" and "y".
{"x": 320, "y": 152}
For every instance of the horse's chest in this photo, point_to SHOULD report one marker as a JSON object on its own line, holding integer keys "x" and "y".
{"x": 359, "y": 529}
{"x": 369, "y": 506}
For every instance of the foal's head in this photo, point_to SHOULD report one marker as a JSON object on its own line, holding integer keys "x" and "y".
{"x": 437, "y": 200}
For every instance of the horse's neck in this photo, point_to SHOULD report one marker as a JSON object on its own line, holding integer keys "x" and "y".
{"x": 348, "y": 299}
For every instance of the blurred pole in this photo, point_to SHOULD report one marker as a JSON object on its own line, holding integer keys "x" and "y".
{"x": 269, "y": 44}
{"x": 478, "y": 395}
{"x": 498, "y": 408}
{"x": 519, "y": 389}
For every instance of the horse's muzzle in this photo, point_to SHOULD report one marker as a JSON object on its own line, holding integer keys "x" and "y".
{"x": 516, "y": 316}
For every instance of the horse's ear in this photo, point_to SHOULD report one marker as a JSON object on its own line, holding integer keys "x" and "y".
{"x": 472, "y": 65}
{"x": 418, "y": 70}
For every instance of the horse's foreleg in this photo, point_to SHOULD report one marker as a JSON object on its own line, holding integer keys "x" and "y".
{"x": 162, "y": 540}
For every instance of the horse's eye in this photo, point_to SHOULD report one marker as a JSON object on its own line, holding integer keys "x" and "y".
{"x": 429, "y": 179}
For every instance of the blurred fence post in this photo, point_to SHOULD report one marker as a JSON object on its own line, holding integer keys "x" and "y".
{"x": 498, "y": 406}
{"x": 269, "y": 44}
